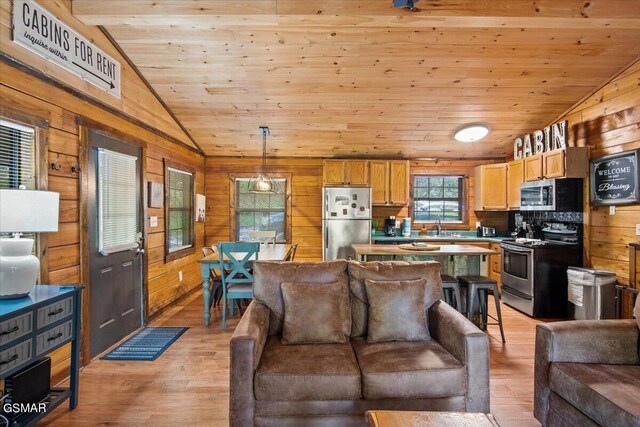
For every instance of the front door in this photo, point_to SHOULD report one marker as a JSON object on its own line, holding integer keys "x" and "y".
{"x": 115, "y": 240}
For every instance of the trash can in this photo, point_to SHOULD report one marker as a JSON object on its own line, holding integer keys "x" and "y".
{"x": 591, "y": 294}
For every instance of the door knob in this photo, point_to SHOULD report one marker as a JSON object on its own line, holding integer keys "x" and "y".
{"x": 139, "y": 251}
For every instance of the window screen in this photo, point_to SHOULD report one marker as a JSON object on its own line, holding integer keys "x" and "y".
{"x": 117, "y": 204}
{"x": 260, "y": 212}
{"x": 180, "y": 223}
{"x": 437, "y": 197}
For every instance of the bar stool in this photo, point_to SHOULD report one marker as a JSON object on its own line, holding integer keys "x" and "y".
{"x": 451, "y": 290}
{"x": 475, "y": 285}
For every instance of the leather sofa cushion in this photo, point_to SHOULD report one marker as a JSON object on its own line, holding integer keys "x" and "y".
{"x": 608, "y": 394}
{"x": 408, "y": 370}
{"x": 396, "y": 310}
{"x": 269, "y": 275}
{"x": 307, "y": 372}
{"x": 389, "y": 270}
{"x": 315, "y": 313}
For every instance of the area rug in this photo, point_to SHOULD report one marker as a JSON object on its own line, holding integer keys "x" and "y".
{"x": 146, "y": 345}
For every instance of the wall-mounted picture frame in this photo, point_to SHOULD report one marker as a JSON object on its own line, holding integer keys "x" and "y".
{"x": 615, "y": 178}
{"x": 156, "y": 194}
{"x": 200, "y": 207}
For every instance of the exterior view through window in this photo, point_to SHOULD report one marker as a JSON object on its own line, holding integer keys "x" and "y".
{"x": 260, "y": 212}
{"x": 437, "y": 197}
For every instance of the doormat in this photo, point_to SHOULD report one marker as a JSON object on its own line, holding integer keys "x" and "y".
{"x": 146, "y": 345}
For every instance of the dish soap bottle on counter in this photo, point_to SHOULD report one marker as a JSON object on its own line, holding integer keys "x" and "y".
{"x": 406, "y": 227}
{"x": 478, "y": 229}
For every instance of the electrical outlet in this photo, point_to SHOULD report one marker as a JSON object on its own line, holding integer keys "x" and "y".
{"x": 180, "y": 276}
{"x": 612, "y": 210}
{"x": 637, "y": 229}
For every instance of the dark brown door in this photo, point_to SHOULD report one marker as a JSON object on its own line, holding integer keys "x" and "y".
{"x": 115, "y": 240}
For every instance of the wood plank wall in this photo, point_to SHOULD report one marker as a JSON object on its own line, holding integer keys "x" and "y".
{"x": 306, "y": 175}
{"x": 609, "y": 122}
{"x": 136, "y": 99}
{"x": 23, "y": 93}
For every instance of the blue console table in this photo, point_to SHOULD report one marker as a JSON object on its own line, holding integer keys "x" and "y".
{"x": 34, "y": 326}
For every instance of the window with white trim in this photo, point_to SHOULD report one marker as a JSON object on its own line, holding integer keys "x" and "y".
{"x": 260, "y": 212}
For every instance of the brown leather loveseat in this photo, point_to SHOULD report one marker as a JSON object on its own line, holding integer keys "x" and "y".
{"x": 275, "y": 383}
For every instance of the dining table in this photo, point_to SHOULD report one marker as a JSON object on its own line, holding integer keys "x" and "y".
{"x": 268, "y": 252}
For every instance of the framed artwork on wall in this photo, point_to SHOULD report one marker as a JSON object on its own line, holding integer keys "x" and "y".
{"x": 615, "y": 179}
{"x": 200, "y": 207}
{"x": 156, "y": 194}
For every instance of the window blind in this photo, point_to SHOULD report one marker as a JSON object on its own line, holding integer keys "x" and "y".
{"x": 117, "y": 204}
{"x": 17, "y": 155}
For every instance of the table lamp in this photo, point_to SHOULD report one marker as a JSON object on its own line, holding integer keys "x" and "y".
{"x": 23, "y": 211}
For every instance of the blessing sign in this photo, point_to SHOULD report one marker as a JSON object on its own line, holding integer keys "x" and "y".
{"x": 37, "y": 30}
{"x": 614, "y": 179}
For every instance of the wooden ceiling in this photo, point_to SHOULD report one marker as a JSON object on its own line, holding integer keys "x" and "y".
{"x": 360, "y": 78}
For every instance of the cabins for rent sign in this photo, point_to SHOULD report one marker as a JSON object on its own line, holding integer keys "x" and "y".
{"x": 37, "y": 30}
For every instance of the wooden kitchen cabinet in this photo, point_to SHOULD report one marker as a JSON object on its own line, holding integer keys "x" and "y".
{"x": 533, "y": 169}
{"x": 571, "y": 162}
{"x": 515, "y": 177}
{"x": 357, "y": 173}
{"x": 495, "y": 264}
{"x": 389, "y": 182}
{"x": 346, "y": 172}
{"x": 490, "y": 186}
{"x": 379, "y": 182}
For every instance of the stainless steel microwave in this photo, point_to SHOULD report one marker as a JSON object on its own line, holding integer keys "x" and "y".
{"x": 561, "y": 195}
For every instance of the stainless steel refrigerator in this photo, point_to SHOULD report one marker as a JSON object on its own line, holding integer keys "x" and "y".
{"x": 346, "y": 219}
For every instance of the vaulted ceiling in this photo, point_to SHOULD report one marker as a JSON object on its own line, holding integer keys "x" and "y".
{"x": 360, "y": 78}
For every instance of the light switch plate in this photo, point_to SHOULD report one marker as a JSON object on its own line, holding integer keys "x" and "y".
{"x": 612, "y": 210}
{"x": 153, "y": 221}
{"x": 637, "y": 229}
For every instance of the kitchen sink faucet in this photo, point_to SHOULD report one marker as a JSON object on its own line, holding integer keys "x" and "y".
{"x": 438, "y": 225}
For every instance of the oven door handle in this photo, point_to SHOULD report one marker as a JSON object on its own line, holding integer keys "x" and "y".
{"x": 510, "y": 290}
{"x": 518, "y": 250}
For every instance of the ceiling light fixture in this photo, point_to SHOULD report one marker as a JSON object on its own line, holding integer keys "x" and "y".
{"x": 471, "y": 133}
{"x": 261, "y": 182}
{"x": 407, "y": 4}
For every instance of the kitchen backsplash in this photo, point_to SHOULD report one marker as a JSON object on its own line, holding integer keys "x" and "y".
{"x": 572, "y": 217}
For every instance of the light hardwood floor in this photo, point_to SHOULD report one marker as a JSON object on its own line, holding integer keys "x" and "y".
{"x": 188, "y": 384}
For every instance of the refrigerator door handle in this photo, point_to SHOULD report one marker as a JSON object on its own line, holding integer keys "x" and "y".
{"x": 326, "y": 205}
{"x": 326, "y": 236}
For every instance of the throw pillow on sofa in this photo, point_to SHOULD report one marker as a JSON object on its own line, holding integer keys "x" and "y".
{"x": 314, "y": 313}
{"x": 396, "y": 310}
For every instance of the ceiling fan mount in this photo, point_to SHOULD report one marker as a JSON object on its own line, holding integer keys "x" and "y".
{"x": 406, "y": 4}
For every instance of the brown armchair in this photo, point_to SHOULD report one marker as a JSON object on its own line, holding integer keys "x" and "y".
{"x": 587, "y": 373}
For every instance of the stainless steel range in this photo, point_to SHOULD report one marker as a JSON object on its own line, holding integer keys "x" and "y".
{"x": 534, "y": 271}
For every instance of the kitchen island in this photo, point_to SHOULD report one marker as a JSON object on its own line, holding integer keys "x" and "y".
{"x": 455, "y": 259}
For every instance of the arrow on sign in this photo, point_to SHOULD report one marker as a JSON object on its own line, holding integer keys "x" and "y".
{"x": 111, "y": 85}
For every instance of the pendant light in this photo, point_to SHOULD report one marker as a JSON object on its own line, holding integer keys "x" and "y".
{"x": 261, "y": 182}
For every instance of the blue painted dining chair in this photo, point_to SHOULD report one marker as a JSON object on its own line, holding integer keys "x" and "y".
{"x": 236, "y": 261}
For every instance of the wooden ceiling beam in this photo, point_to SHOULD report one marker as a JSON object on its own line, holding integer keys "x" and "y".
{"x": 364, "y": 13}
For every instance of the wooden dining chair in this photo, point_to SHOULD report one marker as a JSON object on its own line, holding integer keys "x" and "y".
{"x": 215, "y": 280}
{"x": 291, "y": 254}
{"x": 237, "y": 279}
{"x": 268, "y": 236}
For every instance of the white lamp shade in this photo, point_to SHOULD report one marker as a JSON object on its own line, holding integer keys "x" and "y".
{"x": 28, "y": 211}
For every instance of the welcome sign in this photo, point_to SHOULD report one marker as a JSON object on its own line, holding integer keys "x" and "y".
{"x": 37, "y": 30}
{"x": 614, "y": 179}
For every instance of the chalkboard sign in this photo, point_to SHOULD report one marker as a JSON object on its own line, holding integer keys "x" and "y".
{"x": 614, "y": 179}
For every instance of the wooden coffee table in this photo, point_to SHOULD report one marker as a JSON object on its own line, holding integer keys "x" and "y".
{"x": 424, "y": 419}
